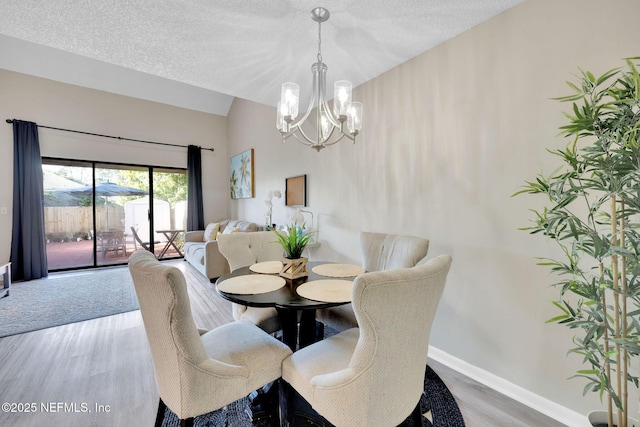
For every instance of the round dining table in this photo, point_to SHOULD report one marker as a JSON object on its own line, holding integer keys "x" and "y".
{"x": 292, "y": 308}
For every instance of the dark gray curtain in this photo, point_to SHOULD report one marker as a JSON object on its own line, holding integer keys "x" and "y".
{"x": 28, "y": 251}
{"x": 195, "y": 210}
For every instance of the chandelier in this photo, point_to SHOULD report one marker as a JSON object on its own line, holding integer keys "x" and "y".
{"x": 345, "y": 117}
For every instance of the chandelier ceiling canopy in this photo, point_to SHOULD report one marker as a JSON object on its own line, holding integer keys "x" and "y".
{"x": 331, "y": 125}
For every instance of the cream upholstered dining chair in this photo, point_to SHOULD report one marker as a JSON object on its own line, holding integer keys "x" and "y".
{"x": 197, "y": 371}
{"x": 373, "y": 375}
{"x": 243, "y": 250}
{"x": 379, "y": 252}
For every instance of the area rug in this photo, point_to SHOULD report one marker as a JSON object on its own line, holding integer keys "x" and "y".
{"x": 65, "y": 298}
{"x": 436, "y": 400}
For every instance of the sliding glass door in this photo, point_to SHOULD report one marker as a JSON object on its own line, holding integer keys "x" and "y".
{"x": 122, "y": 210}
{"x": 102, "y": 212}
{"x": 169, "y": 211}
{"x": 68, "y": 216}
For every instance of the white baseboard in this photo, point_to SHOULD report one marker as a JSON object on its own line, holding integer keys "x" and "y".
{"x": 515, "y": 392}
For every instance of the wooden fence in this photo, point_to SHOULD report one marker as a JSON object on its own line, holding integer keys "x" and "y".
{"x": 73, "y": 222}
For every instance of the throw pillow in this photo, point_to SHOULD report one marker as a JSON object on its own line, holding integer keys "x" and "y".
{"x": 211, "y": 232}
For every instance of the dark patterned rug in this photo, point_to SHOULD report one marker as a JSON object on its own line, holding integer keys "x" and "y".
{"x": 437, "y": 401}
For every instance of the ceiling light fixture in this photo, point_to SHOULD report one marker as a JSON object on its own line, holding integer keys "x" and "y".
{"x": 346, "y": 115}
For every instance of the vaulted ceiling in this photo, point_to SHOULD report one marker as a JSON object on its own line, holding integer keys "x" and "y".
{"x": 200, "y": 54}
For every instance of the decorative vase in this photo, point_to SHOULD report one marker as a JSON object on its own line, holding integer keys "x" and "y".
{"x": 294, "y": 268}
{"x": 600, "y": 419}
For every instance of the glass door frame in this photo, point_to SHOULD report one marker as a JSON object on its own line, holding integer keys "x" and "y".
{"x": 94, "y": 165}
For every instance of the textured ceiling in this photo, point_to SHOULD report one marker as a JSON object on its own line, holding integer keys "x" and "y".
{"x": 228, "y": 48}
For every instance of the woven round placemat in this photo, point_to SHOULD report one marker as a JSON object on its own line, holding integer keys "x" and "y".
{"x": 251, "y": 284}
{"x": 266, "y": 267}
{"x": 338, "y": 270}
{"x": 329, "y": 290}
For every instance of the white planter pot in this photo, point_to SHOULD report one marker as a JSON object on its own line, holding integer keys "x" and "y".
{"x": 601, "y": 418}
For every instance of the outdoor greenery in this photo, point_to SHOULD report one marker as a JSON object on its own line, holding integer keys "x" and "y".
{"x": 168, "y": 186}
{"x": 293, "y": 241}
{"x": 171, "y": 187}
{"x": 69, "y": 213}
{"x": 593, "y": 216}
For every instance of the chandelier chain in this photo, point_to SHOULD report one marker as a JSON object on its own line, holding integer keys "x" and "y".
{"x": 319, "y": 41}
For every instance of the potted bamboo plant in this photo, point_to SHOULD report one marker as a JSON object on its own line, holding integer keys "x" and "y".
{"x": 593, "y": 216}
{"x": 293, "y": 242}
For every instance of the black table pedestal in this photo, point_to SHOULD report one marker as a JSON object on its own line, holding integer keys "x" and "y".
{"x": 294, "y": 335}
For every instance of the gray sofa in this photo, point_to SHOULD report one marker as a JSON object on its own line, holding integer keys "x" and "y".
{"x": 203, "y": 252}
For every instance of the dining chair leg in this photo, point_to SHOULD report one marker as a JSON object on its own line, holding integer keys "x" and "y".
{"x": 416, "y": 416}
{"x": 160, "y": 415}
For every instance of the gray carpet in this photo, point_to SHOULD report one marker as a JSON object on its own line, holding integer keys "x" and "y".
{"x": 65, "y": 298}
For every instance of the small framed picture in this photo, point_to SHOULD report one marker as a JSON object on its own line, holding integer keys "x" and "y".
{"x": 296, "y": 191}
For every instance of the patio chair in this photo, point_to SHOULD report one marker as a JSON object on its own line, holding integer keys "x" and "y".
{"x": 112, "y": 241}
{"x": 138, "y": 241}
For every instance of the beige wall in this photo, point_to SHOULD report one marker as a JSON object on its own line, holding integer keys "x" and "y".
{"x": 448, "y": 137}
{"x": 66, "y": 106}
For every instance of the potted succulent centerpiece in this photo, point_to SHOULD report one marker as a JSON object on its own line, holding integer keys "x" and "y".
{"x": 293, "y": 241}
{"x": 593, "y": 214}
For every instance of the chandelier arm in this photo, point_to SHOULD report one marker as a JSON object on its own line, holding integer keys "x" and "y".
{"x": 325, "y": 141}
{"x": 311, "y": 103}
{"x": 302, "y": 137}
{"x": 288, "y": 135}
{"x": 304, "y": 140}
{"x": 342, "y": 135}
{"x": 297, "y": 132}
{"x": 322, "y": 101}
{"x": 306, "y": 115}
{"x": 302, "y": 133}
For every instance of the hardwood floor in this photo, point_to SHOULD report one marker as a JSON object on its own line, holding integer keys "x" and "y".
{"x": 99, "y": 373}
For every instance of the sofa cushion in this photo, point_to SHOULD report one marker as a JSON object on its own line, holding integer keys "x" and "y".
{"x": 237, "y": 225}
{"x": 190, "y": 248}
{"x": 198, "y": 255}
{"x": 223, "y": 224}
{"x": 211, "y": 232}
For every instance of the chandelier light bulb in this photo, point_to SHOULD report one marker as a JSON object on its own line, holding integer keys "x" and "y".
{"x": 326, "y": 127}
{"x": 281, "y": 124}
{"x": 354, "y": 118}
{"x": 289, "y": 98}
{"x": 341, "y": 99}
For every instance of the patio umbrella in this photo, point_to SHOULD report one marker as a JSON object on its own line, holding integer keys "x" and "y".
{"x": 106, "y": 190}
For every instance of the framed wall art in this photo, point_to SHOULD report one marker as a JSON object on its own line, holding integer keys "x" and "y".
{"x": 296, "y": 191}
{"x": 241, "y": 178}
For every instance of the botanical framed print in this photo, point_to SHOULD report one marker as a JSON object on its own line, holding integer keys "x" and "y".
{"x": 241, "y": 179}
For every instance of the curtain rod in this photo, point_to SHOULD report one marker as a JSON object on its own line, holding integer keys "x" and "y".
{"x": 113, "y": 137}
